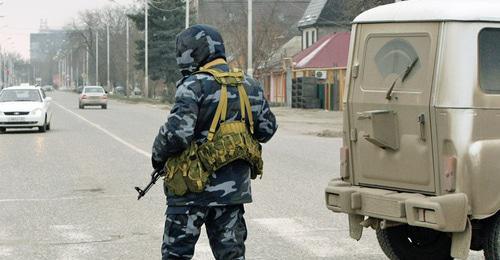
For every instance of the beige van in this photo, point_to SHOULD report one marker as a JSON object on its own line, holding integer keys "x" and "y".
{"x": 421, "y": 157}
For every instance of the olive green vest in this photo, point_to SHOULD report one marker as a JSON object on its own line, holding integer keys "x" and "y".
{"x": 230, "y": 142}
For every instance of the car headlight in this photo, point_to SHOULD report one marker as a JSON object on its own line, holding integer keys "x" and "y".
{"x": 37, "y": 112}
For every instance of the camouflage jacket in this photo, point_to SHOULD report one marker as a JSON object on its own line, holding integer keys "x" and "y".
{"x": 196, "y": 101}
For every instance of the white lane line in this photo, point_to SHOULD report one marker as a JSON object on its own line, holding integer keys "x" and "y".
{"x": 6, "y": 251}
{"x": 67, "y": 198}
{"x": 303, "y": 237}
{"x": 104, "y": 130}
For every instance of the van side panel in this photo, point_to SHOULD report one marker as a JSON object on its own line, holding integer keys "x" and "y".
{"x": 478, "y": 166}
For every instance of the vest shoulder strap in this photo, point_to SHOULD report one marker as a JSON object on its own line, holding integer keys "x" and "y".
{"x": 235, "y": 77}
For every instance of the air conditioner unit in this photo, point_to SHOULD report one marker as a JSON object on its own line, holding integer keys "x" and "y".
{"x": 320, "y": 74}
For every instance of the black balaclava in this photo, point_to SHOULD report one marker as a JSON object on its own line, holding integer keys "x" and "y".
{"x": 196, "y": 46}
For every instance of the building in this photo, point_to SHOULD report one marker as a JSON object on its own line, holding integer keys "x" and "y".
{"x": 44, "y": 46}
{"x": 326, "y": 62}
{"x": 324, "y": 40}
{"x": 323, "y": 17}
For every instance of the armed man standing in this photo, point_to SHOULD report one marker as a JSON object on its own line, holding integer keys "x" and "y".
{"x": 210, "y": 148}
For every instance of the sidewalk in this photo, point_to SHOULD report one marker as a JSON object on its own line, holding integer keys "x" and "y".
{"x": 290, "y": 120}
{"x": 309, "y": 121}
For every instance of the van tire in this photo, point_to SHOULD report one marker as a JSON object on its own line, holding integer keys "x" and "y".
{"x": 2, "y": 130}
{"x": 401, "y": 242}
{"x": 492, "y": 238}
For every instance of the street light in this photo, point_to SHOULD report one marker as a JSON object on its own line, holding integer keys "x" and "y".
{"x": 249, "y": 38}
{"x": 128, "y": 50}
{"x": 146, "y": 79}
{"x": 97, "y": 58}
{"x": 107, "y": 54}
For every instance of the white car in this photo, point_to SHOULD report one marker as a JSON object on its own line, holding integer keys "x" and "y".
{"x": 93, "y": 96}
{"x": 25, "y": 107}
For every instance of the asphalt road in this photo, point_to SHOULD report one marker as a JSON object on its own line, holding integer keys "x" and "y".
{"x": 68, "y": 193}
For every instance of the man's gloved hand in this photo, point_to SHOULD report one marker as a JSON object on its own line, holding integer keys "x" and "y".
{"x": 157, "y": 164}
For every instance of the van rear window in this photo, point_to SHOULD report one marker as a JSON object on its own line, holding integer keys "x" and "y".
{"x": 489, "y": 60}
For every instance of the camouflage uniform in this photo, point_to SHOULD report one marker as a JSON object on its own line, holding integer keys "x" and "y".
{"x": 220, "y": 205}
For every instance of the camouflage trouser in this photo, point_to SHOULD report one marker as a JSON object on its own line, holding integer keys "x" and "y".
{"x": 225, "y": 226}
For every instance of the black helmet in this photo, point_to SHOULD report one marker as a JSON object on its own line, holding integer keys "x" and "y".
{"x": 196, "y": 46}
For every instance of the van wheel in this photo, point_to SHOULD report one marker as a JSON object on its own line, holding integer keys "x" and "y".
{"x": 409, "y": 242}
{"x": 2, "y": 130}
{"x": 491, "y": 242}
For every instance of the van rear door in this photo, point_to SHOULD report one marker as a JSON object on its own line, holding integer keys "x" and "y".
{"x": 389, "y": 106}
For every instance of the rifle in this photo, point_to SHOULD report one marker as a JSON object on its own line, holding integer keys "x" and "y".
{"x": 155, "y": 175}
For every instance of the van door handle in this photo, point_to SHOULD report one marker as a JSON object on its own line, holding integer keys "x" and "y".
{"x": 421, "y": 121}
{"x": 369, "y": 114}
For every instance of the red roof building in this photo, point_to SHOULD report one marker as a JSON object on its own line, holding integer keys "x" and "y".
{"x": 330, "y": 51}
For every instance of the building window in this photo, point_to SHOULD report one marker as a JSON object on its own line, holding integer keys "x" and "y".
{"x": 313, "y": 38}
{"x": 307, "y": 39}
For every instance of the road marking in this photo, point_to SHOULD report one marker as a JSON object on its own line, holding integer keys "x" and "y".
{"x": 104, "y": 130}
{"x": 66, "y": 198}
{"x": 304, "y": 237}
{"x": 6, "y": 251}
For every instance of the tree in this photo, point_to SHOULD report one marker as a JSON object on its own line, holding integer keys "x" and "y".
{"x": 274, "y": 24}
{"x": 342, "y": 12}
{"x": 165, "y": 21}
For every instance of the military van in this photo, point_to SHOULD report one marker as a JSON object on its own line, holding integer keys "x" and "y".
{"x": 420, "y": 161}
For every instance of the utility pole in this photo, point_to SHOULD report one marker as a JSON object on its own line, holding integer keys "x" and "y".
{"x": 59, "y": 71}
{"x": 146, "y": 76}
{"x": 187, "y": 13}
{"x": 128, "y": 59}
{"x": 250, "y": 40}
{"x": 107, "y": 58}
{"x": 108, "y": 83}
{"x": 77, "y": 74}
{"x": 71, "y": 78}
{"x": 87, "y": 67}
{"x": 97, "y": 58}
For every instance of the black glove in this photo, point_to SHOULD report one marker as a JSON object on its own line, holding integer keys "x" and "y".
{"x": 157, "y": 165}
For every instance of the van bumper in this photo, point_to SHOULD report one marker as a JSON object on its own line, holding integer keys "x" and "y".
{"x": 447, "y": 213}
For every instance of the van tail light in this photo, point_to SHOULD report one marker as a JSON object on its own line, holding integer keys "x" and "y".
{"x": 84, "y": 97}
{"x": 344, "y": 162}
{"x": 450, "y": 172}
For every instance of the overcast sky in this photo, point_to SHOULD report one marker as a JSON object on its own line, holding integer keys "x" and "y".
{"x": 21, "y": 17}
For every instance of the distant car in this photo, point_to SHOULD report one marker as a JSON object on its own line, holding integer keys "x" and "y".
{"x": 119, "y": 91}
{"x": 79, "y": 89}
{"x": 93, "y": 96}
{"x": 25, "y": 107}
{"x": 137, "y": 91}
{"x": 47, "y": 88}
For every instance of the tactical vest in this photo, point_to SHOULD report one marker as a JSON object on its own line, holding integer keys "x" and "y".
{"x": 229, "y": 142}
